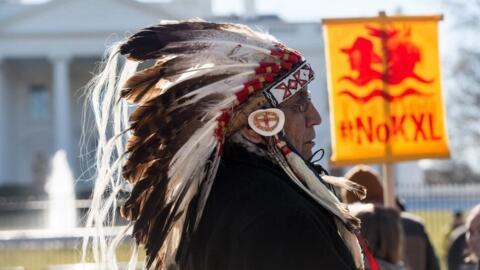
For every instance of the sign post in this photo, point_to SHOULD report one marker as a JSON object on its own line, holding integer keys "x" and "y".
{"x": 388, "y": 185}
{"x": 388, "y": 174}
{"x": 385, "y": 91}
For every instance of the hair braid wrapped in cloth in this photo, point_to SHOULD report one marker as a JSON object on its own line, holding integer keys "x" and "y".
{"x": 203, "y": 81}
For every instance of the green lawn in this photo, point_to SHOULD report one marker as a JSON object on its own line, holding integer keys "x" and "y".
{"x": 437, "y": 224}
{"x": 35, "y": 259}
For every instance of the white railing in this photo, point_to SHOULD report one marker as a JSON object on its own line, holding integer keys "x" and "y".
{"x": 447, "y": 190}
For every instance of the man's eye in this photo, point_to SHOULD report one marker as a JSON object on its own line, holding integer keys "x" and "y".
{"x": 303, "y": 106}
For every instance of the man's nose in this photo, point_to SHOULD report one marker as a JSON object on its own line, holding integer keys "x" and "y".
{"x": 313, "y": 116}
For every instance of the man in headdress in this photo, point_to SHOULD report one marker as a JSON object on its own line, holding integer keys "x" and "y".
{"x": 217, "y": 153}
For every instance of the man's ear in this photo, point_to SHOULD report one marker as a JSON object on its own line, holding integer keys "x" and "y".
{"x": 251, "y": 135}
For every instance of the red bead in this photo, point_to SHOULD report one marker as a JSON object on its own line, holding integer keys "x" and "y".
{"x": 268, "y": 77}
{"x": 285, "y": 150}
{"x": 255, "y": 83}
{"x": 223, "y": 118}
{"x": 293, "y": 58}
{"x": 242, "y": 95}
{"x": 267, "y": 68}
{"x": 287, "y": 65}
{"x": 276, "y": 52}
{"x": 218, "y": 132}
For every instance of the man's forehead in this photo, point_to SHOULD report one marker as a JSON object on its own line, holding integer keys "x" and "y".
{"x": 300, "y": 95}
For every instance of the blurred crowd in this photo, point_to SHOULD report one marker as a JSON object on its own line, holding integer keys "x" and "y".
{"x": 398, "y": 239}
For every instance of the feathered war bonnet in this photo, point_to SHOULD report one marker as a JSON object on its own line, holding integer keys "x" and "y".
{"x": 206, "y": 79}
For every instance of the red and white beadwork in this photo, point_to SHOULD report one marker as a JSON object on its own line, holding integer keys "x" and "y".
{"x": 288, "y": 86}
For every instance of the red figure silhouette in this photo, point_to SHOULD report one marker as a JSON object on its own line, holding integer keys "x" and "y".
{"x": 362, "y": 58}
{"x": 402, "y": 56}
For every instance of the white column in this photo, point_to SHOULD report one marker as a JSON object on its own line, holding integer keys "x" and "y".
{"x": 5, "y": 169}
{"x": 62, "y": 126}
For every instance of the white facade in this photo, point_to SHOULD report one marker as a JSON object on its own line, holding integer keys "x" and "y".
{"x": 53, "y": 48}
{"x": 47, "y": 54}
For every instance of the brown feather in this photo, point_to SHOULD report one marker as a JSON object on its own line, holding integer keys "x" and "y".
{"x": 153, "y": 42}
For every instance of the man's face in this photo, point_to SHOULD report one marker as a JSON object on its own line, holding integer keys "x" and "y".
{"x": 301, "y": 117}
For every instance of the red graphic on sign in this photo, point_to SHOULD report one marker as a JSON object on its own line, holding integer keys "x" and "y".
{"x": 383, "y": 94}
{"x": 367, "y": 129}
{"x": 401, "y": 56}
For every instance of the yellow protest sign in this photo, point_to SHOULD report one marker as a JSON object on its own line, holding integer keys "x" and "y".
{"x": 385, "y": 89}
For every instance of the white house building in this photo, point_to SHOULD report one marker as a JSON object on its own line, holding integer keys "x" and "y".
{"x": 48, "y": 52}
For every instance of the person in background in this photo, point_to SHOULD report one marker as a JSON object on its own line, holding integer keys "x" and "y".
{"x": 457, "y": 220}
{"x": 473, "y": 237}
{"x": 418, "y": 252}
{"x": 454, "y": 241}
{"x": 457, "y": 249}
{"x": 383, "y": 231}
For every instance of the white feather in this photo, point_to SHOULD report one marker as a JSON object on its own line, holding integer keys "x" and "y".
{"x": 224, "y": 87}
{"x": 186, "y": 172}
{"x": 196, "y": 150}
{"x": 202, "y": 201}
{"x": 314, "y": 187}
{"x": 226, "y": 50}
{"x": 351, "y": 241}
{"x": 344, "y": 183}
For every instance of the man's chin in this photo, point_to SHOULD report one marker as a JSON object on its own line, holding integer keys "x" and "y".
{"x": 307, "y": 154}
{"x": 307, "y": 150}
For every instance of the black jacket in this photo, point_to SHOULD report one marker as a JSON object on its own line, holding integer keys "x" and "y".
{"x": 256, "y": 219}
{"x": 418, "y": 250}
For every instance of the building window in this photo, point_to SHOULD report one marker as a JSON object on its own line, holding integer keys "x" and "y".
{"x": 39, "y": 103}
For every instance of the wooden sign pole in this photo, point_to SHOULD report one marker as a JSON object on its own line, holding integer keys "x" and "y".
{"x": 388, "y": 185}
{"x": 388, "y": 173}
